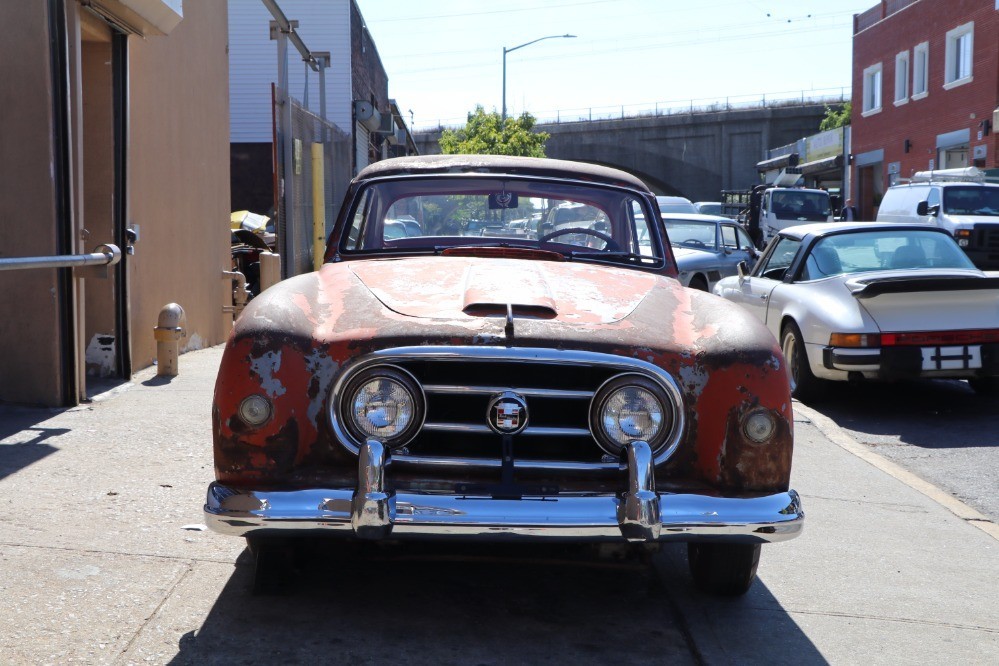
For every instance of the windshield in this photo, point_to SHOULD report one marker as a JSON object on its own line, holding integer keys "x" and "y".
{"x": 800, "y": 205}
{"x": 690, "y": 233}
{"x": 883, "y": 250}
{"x": 423, "y": 215}
{"x": 971, "y": 200}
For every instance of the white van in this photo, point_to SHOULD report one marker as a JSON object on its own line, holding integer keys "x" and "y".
{"x": 958, "y": 200}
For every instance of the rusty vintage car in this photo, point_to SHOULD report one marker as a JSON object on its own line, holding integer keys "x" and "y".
{"x": 509, "y": 382}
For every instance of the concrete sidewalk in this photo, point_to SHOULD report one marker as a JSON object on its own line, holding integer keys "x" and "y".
{"x": 103, "y": 560}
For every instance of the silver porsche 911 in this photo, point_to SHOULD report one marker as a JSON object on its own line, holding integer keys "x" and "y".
{"x": 882, "y": 301}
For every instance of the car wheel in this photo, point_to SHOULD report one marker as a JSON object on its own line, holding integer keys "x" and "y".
{"x": 987, "y": 386}
{"x": 725, "y": 569}
{"x": 804, "y": 384}
{"x": 699, "y": 283}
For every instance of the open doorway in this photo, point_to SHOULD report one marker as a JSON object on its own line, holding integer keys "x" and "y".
{"x": 102, "y": 70}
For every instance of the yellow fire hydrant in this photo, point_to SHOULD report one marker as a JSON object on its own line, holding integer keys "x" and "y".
{"x": 170, "y": 328}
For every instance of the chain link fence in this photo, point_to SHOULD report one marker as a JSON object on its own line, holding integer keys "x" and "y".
{"x": 315, "y": 142}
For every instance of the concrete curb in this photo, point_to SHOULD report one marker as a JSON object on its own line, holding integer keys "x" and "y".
{"x": 839, "y": 437}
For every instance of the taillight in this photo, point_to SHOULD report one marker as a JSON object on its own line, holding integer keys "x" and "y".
{"x": 916, "y": 338}
{"x": 854, "y": 340}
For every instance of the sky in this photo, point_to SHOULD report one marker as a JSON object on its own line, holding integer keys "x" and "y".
{"x": 445, "y": 57}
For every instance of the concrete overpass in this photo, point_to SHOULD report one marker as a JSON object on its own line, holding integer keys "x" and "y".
{"x": 695, "y": 155}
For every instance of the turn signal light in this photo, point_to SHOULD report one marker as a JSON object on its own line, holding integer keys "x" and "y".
{"x": 962, "y": 233}
{"x": 854, "y": 340}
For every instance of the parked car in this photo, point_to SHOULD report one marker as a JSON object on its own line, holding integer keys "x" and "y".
{"x": 960, "y": 201}
{"x": 487, "y": 388}
{"x": 874, "y": 301}
{"x": 708, "y": 207}
{"x": 707, "y": 248}
{"x": 675, "y": 205}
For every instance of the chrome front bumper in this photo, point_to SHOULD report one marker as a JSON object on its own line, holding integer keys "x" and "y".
{"x": 638, "y": 514}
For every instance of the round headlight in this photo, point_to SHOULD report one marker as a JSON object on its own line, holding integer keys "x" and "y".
{"x": 385, "y": 404}
{"x": 255, "y": 410}
{"x": 631, "y": 408}
{"x": 759, "y": 426}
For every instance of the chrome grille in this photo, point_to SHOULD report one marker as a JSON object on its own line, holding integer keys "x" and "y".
{"x": 458, "y": 383}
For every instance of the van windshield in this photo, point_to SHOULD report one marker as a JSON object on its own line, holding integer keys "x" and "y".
{"x": 971, "y": 200}
{"x": 800, "y": 205}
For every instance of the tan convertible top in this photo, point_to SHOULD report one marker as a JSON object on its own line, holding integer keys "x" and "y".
{"x": 528, "y": 166}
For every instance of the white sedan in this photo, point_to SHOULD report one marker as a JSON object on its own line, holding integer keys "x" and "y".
{"x": 851, "y": 301}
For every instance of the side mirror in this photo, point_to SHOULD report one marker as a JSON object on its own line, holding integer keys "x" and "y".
{"x": 743, "y": 270}
{"x": 924, "y": 208}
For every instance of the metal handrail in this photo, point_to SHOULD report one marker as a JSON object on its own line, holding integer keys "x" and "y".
{"x": 108, "y": 254}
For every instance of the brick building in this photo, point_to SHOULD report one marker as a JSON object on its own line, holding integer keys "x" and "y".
{"x": 925, "y": 91}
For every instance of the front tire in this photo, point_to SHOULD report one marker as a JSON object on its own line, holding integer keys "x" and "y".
{"x": 804, "y": 384}
{"x": 724, "y": 569}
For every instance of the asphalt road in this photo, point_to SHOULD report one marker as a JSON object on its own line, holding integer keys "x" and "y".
{"x": 940, "y": 430}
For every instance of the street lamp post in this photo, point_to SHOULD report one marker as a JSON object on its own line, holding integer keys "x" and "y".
{"x": 506, "y": 50}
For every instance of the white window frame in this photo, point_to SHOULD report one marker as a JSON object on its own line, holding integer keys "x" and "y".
{"x": 920, "y": 70}
{"x": 958, "y": 63}
{"x": 872, "y": 90}
{"x": 901, "y": 78}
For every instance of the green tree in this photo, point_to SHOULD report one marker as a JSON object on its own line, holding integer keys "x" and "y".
{"x": 836, "y": 117}
{"x": 485, "y": 134}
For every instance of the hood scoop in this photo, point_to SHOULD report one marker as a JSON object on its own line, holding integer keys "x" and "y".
{"x": 521, "y": 293}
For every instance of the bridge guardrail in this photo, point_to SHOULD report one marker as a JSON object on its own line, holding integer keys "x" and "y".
{"x": 672, "y": 107}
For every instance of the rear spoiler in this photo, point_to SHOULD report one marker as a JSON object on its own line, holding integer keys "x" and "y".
{"x": 902, "y": 285}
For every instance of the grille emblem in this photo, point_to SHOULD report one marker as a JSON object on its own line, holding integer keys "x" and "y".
{"x": 507, "y": 413}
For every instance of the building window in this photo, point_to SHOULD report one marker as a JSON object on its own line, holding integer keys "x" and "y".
{"x": 920, "y": 70}
{"x": 902, "y": 78}
{"x": 872, "y": 90}
{"x": 957, "y": 61}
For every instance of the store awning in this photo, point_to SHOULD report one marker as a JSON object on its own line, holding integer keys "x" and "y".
{"x": 825, "y": 164}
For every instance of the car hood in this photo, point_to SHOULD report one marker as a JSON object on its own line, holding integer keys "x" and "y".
{"x": 679, "y": 251}
{"x": 453, "y": 288}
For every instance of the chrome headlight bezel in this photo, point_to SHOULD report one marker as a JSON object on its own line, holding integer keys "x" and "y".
{"x": 665, "y": 393}
{"x": 346, "y": 396}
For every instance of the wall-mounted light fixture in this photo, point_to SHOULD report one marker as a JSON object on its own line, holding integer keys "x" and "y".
{"x": 985, "y": 126}
{"x": 907, "y": 145}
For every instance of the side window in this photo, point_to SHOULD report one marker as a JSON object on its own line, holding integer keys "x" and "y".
{"x": 729, "y": 239}
{"x": 357, "y": 225}
{"x": 933, "y": 197}
{"x": 779, "y": 259}
{"x": 744, "y": 240}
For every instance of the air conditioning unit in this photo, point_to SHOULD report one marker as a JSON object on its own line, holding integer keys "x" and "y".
{"x": 366, "y": 114}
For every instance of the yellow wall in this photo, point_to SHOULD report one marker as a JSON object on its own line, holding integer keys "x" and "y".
{"x": 30, "y": 361}
{"x": 178, "y": 178}
{"x": 176, "y": 182}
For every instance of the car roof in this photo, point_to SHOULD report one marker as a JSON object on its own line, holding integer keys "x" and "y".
{"x": 819, "y": 229}
{"x": 500, "y": 164}
{"x": 695, "y": 217}
{"x": 671, "y": 199}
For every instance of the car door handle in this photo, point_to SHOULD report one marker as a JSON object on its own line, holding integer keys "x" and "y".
{"x": 764, "y": 297}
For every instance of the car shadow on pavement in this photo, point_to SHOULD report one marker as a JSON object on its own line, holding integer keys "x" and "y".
{"x": 924, "y": 413}
{"x": 480, "y": 604}
{"x": 23, "y": 437}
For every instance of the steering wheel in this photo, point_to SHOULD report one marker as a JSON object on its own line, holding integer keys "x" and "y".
{"x": 694, "y": 242}
{"x": 609, "y": 243}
